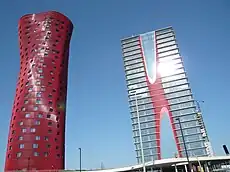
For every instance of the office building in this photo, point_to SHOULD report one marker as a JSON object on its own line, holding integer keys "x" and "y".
{"x": 37, "y": 129}
{"x": 158, "y": 85}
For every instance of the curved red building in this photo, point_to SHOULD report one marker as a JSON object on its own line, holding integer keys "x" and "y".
{"x": 37, "y": 128}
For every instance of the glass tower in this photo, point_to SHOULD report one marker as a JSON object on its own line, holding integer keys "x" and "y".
{"x": 158, "y": 85}
{"x": 37, "y": 129}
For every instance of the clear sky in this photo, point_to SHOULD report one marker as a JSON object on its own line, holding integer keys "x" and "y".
{"x": 98, "y": 118}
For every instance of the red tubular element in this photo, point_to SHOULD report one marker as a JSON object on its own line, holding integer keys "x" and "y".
{"x": 41, "y": 94}
{"x": 161, "y": 105}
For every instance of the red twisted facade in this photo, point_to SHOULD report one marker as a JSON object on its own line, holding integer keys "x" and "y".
{"x": 37, "y": 128}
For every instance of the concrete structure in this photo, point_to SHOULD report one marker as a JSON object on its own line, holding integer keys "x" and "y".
{"x": 157, "y": 86}
{"x": 37, "y": 128}
{"x": 208, "y": 164}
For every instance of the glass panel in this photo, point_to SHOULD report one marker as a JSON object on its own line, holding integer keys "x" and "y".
{"x": 166, "y": 44}
{"x": 165, "y": 39}
{"x": 168, "y": 53}
{"x": 131, "y": 48}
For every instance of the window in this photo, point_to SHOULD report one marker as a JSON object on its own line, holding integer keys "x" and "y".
{"x": 134, "y": 66}
{"x": 27, "y": 83}
{"x": 35, "y": 108}
{"x": 176, "y": 88}
{"x": 30, "y": 89}
{"x": 180, "y": 99}
{"x": 13, "y": 131}
{"x": 32, "y": 130}
{"x": 168, "y": 58}
{"x": 167, "y": 48}
{"x": 49, "y": 131}
{"x": 131, "y": 48}
{"x": 21, "y": 146}
{"x": 129, "y": 40}
{"x": 37, "y": 137}
{"x": 37, "y": 122}
{"x": 137, "y": 75}
{"x": 48, "y": 146}
{"x": 39, "y": 94}
{"x": 174, "y": 83}
{"x": 132, "y": 52}
{"x": 46, "y": 138}
{"x": 38, "y": 83}
{"x": 166, "y": 40}
{"x": 172, "y": 78}
{"x": 39, "y": 115}
{"x": 24, "y": 130}
{"x": 133, "y": 57}
{"x": 21, "y": 123}
{"x": 36, "y": 154}
{"x": 40, "y": 70}
{"x": 27, "y": 115}
{"x": 49, "y": 123}
{"x": 10, "y": 148}
{"x": 166, "y": 44}
{"x": 38, "y": 101}
{"x": 43, "y": 88}
{"x": 136, "y": 81}
{"x": 19, "y": 154}
{"x": 23, "y": 109}
{"x": 168, "y": 53}
{"x": 45, "y": 154}
{"x": 165, "y": 35}
{"x": 26, "y": 102}
{"x": 35, "y": 145}
{"x": 133, "y": 61}
{"x": 20, "y": 138}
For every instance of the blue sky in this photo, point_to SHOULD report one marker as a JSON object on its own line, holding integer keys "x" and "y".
{"x": 98, "y": 117}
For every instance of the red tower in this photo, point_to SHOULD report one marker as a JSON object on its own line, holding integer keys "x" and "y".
{"x": 37, "y": 128}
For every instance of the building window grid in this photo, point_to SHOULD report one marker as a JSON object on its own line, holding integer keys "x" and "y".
{"x": 169, "y": 95}
{"x": 187, "y": 82}
{"x": 136, "y": 75}
{"x": 164, "y": 31}
{"x": 132, "y": 48}
{"x": 179, "y": 101}
{"x": 137, "y": 86}
{"x": 131, "y": 53}
{"x": 189, "y": 146}
{"x": 130, "y": 40}
{"x": 132, "y": 44}
{"x": 136, "y": 80}
{"x": 175, "y": 83}
{"x": 136, "y": 56}
{"x": 168, "y": 53}
{"x": 170, "y": 57}
{"x": 134, "y": 71}
{"x": 144, "y": 119}
{"x": 133, "y": 62}
{"x": 170, "y": 43}
{"x": 134, "y": 66}
{"x": 165, "y": 35}
{"x": 164, "y": 40}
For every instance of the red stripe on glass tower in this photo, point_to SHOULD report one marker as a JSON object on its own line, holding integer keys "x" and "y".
{"x": 158, "y": 86}
{"x": 37, "y": 129}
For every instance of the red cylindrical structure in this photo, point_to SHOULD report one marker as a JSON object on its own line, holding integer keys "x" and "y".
{"x": 37, "y": 128}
